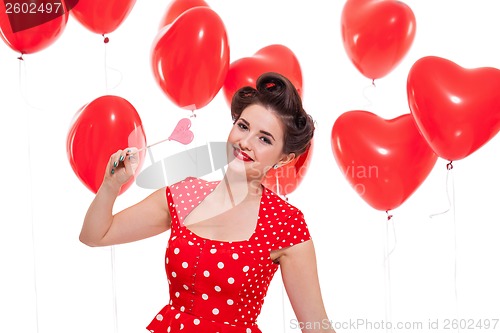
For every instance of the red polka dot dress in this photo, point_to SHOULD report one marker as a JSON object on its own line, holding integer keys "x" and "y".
{"x": 219, "y": 286}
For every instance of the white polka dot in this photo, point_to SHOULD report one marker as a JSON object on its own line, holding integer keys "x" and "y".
{"x": 184, "y": 264}
{"x": 215, "y": 311}
{"x": 213, "y": 251}
{"x": 235, "y": 256}
{"x": 217, "y": 288}
{"x": 196, "y": 321}
{"x": 220, "y": 265}
{"x": 177, "y": 294}
{"x": 246, "y": 268}
{"x": 249, "y": 330}
{"x": 230, "y": 302}
{"x": 204, "y": 296}
{"x": 159, "y": 317}
{"x": 230, "y": 280}
{"x": 176, "y": 250}
{"x": 206, "y": 273}
{"x": 185, "y": 287}
{"x": 182, "y": 308}
{"x": 181, "y": 327}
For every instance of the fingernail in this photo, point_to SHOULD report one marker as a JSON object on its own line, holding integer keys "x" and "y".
{"x": 115, "y": 164}
{"x": 122, "y": 158}
{"x": 112, "y": 171}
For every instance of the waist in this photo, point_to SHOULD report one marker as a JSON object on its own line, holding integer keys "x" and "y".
{"x": 180, "y": 320}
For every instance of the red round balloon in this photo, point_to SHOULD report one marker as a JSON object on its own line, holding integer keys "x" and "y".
{"x": 273, "y": 58}
{"x": 190, "y": 58}
{"x": 27, "y": 32}
{"x": 377, "y": 34}
{"x": 385, "y": 161}
{"x": 456, "y": 109}
{"x": 177, "y": 7}
{"x": 102, "y": 17}
{"x": 284, "y": 180}
{"x": 99, "y": 129}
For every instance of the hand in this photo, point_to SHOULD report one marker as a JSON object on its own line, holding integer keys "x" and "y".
{"x": 121, "y": 167}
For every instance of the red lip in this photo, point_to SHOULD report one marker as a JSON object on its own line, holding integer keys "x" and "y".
{"x": 241, "y": 155}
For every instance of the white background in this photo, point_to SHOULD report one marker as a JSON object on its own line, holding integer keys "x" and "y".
{"x": 50, "y": 282}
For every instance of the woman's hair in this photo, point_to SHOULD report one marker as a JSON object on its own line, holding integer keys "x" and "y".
{"x": 277, "y": 93}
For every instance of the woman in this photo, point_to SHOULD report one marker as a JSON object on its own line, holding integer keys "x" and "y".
{"x": 229, "y": 237}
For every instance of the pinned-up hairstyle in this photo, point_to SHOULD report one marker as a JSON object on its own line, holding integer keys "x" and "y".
{"x": 276, "y": 93}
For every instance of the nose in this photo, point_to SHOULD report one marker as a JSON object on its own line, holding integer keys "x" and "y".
{"x": 244, "y": 142}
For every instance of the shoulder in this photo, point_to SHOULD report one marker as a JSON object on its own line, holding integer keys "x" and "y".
{"x": 275, "y": 206}
{"x": 192, "y": 185}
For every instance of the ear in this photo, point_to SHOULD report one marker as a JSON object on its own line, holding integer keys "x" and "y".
{"x": 286, "y": 159}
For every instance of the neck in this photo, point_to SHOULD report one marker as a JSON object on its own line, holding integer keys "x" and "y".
{"x": 239, "y": 187}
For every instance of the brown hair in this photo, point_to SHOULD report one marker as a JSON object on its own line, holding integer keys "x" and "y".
{"x": 275, "y": 92}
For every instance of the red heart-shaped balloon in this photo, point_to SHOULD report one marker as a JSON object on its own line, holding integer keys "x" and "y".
{"x": 272, "y": 58}
{"x": 457, "y": 110}
{"x": 385, "y": 161}
{"x": 377, "y": 34}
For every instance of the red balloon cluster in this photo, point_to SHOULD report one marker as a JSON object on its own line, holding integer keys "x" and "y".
{"x": 453, "y": 112}
{"x": 100, "y": 128}
{"x": 377, "y": 34}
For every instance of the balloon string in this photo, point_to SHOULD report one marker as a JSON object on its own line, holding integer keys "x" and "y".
{"x": 450, "y": 193}
{"x": 112, "y": 252}
{"x": 369, "y": 102}
{"x": 455, "y": 255}
{"x": 22, "y": 82}
{"x": 387, "y": 270}
{"x": 113, "y": 285}
{"x": 106, "y": 67}
{"x": 449, "y": 175}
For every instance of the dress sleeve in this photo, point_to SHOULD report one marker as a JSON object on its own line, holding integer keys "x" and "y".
{"x": 294, "y": 231}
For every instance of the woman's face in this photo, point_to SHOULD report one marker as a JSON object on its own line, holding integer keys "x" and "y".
{"x": 256, "y": 141}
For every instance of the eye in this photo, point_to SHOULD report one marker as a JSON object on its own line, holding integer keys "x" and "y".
{"x": 242, "y": 126}
{"x": 265, "y": 139}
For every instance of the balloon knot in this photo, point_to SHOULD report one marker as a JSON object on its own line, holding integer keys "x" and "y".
{"x": 389, "y": 216}
{"x": 373, "y": 83}
{"x": 20, "y": 57}
{"x": 106, "y": 39}
{"x": 449, "y": 166}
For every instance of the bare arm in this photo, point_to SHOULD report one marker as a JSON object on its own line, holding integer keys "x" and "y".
{"x": 147, "y": 218}
{"x": 300, "y": 278}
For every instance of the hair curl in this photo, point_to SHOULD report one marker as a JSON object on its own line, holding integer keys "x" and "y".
{"x": 275, "y": 92}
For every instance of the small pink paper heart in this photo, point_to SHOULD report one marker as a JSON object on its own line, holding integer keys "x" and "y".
{"x": 181, "y": 132}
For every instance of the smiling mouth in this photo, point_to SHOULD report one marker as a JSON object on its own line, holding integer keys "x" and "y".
{"x": 241, "y": 155}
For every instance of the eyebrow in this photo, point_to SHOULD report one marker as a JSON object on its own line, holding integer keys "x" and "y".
{"x": 263, "y": 132}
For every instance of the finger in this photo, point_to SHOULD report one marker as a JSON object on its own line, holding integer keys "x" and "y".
{"x": 114, "y": 161}
{"x": 131, "y": 161}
